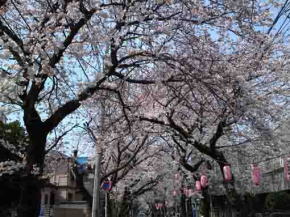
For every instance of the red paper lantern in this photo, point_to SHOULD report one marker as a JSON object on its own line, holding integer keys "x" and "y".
{"x": 227, "y": 173}
{"x": 203, "y": 181}
{"x": 256, "y": 174}
{"x": 197, "y": 186}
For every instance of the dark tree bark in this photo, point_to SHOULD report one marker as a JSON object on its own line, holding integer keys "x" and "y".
{"x": 30, "y": 196}
{"x": 2, "y": 3}
{"x": 29, "y": 204}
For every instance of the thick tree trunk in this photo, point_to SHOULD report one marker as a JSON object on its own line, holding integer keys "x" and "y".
{"x": 29, "y": 204}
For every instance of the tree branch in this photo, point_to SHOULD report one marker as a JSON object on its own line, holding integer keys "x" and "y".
{"x": 219, "y": 133}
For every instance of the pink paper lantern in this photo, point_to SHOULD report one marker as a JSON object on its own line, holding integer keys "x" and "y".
{"x": 176, "y": 176}
{"x": 286, "y": 169}
{"x": 197, "y": 186}
{"x": 256, "y": 174}
{"x": 189, "y": 192}
{"x": 227, "y": 173}
{"x": 174, "y": 193}
{"x": 203, "y": 181}
{"x": 184, "y": 191}
{"x": 166, "y": 203}
{"x": 157, "y": 205}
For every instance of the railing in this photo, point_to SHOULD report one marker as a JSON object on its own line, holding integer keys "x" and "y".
{"x": 272, "y": 165}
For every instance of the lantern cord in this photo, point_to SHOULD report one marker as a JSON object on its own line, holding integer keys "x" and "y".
{"x": 255, "y": 162}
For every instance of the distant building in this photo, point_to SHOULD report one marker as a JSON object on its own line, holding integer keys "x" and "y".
{"x": 64, "y": 194}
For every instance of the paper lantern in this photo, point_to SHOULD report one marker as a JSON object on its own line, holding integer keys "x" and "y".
{"x": 176, "y": 176}
{"x": 203, "y": 181}
{"x": 166, "y": 203}
{"x": 227, "y": 173}
{"x": 197, "y": 186}
{"x": 174, "y": 193}
{"x": 286, "y": 169}
{"x": 256, "y": 174}
{"x": 184, "y": 191}
{"x": 157, "y": 205}
{"x": 189, "y": 192}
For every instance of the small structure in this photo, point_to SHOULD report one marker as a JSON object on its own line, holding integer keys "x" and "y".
{"x": 64, "y": 195}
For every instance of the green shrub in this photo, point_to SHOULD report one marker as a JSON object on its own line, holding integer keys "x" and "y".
{"x": 278, "y": 200}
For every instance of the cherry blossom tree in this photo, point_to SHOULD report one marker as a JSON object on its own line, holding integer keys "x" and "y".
{"x": 13, "y": 143}
{"x": 201, "y": 63}
{"x": 57, "y": 54}
{"x": 232, "y": 90}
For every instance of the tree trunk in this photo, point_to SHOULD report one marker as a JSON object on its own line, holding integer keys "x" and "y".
{"x": 205, "y": 207}
{"x": 183, "y": 206}
{"x": 125, "y": 205}
{"x": 29, "y": 204}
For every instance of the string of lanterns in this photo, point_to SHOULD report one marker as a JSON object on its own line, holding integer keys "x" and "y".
{"x": 202, "y": 183}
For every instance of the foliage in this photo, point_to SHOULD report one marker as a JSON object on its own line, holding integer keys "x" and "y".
{"x": 12, "y": 148}
{"x": 278, "y": 200}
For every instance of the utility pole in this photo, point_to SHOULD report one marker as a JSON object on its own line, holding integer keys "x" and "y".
{"x": 96, "y": 209}
{"x": 106, "y": 203}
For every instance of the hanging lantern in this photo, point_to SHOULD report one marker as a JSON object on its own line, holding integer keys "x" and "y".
{"x": 157, "y": 205}
{"x": 203, "y": 181}
{"x": 227, "y": 173}
{"x": 176, "y": 177}
{"x": 174, "y": 193}
{"x": 184, "y": 191}
{"x": 197, "y": 186}
{"x": 189, "y": 192}
{"x": 256, "y": 174}
{"x": 286, "y": 168}
{"x": 166, "y": 204}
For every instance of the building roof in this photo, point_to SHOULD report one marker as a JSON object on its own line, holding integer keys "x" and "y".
{"x": 82, "y": 160}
